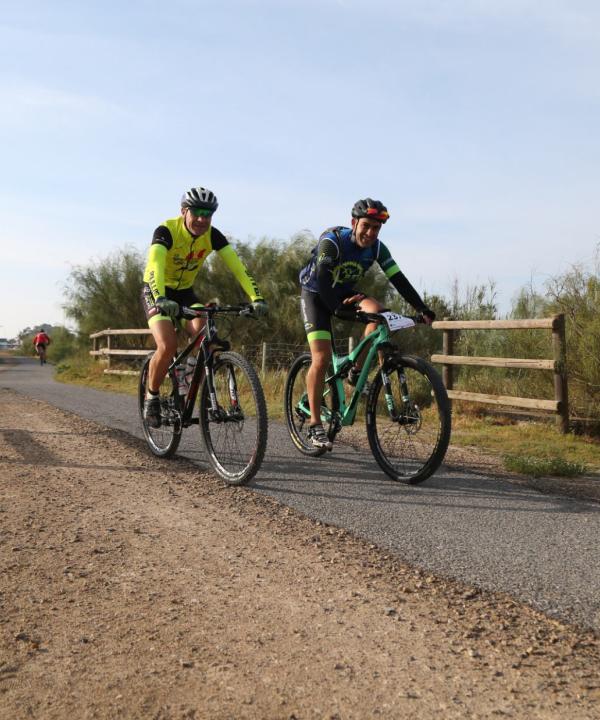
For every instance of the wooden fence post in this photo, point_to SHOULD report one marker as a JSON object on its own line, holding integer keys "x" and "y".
{"x": 448, "y": 349}
{"x": 561, "y": 395}
{"x": 263, "y": 366}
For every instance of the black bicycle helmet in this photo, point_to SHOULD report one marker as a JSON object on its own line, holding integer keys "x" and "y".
{"x": 199, "y": 197}
{"x": 369, "y": 208}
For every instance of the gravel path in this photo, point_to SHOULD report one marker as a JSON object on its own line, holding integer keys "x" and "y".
{"x": 131, "y": 588}
{"x": 481, "y": 530}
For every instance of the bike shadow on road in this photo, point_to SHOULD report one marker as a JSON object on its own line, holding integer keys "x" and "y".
{"x": 358, "y": 480}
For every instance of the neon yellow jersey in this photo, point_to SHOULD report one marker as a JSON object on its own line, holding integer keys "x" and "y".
{"x": 176, "y": 256}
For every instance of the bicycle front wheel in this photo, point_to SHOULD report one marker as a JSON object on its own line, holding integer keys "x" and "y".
{"x": 235, "y": 430}
{"x": 408, "y": 419}
{"x": 163, "y": 441}
{"x": 297, "y": 410}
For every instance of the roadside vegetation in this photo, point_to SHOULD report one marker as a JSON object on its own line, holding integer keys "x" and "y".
{"x": 105, "y": 294}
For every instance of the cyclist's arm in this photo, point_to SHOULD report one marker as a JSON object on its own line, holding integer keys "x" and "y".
{"x": 399, "y": 279}
{"x": 327, "y": 256}
{"x": 232, "y": 260}
{"x": 162, "y": 242}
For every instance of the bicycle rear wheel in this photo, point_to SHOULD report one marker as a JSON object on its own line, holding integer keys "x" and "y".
{"x": 297, "y": 411}
{"x": 408, "y": 423}
{"x": 164, "y": 440}
{"x": 235, "y": 434}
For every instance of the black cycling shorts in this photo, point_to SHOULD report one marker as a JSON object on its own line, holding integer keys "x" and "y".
{"x": 316, "y": 316}
{"x": 183, "y": 297}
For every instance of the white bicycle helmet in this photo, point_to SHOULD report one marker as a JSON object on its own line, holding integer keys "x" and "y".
{"x": 199, "y": 197}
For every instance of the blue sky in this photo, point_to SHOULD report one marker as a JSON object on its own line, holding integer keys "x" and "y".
{"x": 475, "y": 121}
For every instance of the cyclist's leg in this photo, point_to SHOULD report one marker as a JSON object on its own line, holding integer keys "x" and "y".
{"x": 188, "y": 297}
{"x": 370, "y": 305}
{"x": 317, "y": 323}
{"x": 320, "y": 350}
{"x": 165, "y": 338}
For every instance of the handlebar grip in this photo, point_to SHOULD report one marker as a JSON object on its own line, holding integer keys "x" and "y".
{"x": 346, "y": 314}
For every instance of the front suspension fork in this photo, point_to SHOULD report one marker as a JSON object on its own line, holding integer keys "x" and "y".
{"x": 394, "y": 411}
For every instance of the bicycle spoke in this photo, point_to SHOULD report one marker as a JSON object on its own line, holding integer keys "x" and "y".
{"x": 235, "y": 432}
{"x": 297, "y": 413}
{"x": 408, "y": 423}
{"x": 164, "y": 440}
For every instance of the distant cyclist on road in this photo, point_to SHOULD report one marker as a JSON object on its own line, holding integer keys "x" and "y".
{"x": 179, "y": 248}
{"x": 339, "y": 260}
{"x": 41, "y": 342}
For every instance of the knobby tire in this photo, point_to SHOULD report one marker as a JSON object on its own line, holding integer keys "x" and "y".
{"x": 162, "y": 441}
{"x": 236, "y": 439}
{"x": 298, "y": 420}
{"x": 412, "y": 447}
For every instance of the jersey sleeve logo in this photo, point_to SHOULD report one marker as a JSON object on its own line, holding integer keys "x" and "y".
{"x": 348, "y": 272}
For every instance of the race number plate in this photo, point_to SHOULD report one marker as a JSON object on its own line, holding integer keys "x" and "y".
{"x": 397, "y": 322}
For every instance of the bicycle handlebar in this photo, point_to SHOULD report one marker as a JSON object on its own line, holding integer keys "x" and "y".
{"x": 210, "y": 310}
{"x": 367, "y": 317}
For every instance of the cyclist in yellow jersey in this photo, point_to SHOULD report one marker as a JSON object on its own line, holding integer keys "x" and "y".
{"x": 179, "y": 248}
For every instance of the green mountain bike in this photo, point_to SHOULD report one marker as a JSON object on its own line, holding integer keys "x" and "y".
{"x": 407, "y": 409}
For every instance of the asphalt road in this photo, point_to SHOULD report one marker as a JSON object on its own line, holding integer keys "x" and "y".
{"x": 541, "y": 549}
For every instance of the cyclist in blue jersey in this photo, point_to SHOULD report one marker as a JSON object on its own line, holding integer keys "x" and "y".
{"x": 328, "y": 287}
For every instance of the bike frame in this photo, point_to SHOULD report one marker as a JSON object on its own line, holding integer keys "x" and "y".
{"x": 342, "y": 364}
{"x": 207, "y": 343}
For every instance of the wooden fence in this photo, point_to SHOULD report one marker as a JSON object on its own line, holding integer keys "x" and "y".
{"x": 268, "y": 355}
{"x": 560, "y": 404}
{"x": 263, "y": 355}
{"x": 110, "y": 351}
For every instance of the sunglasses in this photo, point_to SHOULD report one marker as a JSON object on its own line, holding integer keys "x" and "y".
{"x": 199, "y": 212}
{"x": 378, "y": 214}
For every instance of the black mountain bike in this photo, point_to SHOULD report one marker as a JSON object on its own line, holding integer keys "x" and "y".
{"x": 232, "y": 413}
{"x": 407, "y": 414}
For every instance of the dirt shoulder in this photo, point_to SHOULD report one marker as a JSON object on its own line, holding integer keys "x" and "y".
{"x": 139, "y": 588}
{"x": 581, "y": 487}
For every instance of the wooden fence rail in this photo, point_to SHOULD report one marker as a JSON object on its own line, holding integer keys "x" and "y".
{"x": 263, "y": 355}
{"x": 560, "y": 404}
{"x": 268, "y": 355}
{"x": 110, "y": 351}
